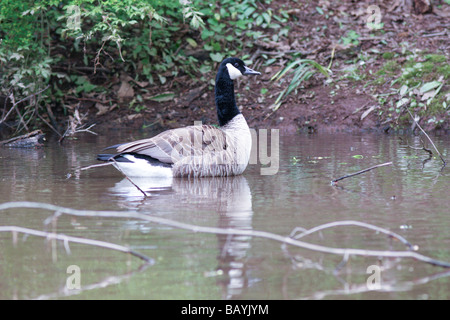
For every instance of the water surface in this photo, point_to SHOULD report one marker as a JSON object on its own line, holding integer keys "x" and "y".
{"x": 409, "y": 197}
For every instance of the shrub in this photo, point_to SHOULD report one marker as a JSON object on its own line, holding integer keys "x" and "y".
{"x": 43, "y": 42}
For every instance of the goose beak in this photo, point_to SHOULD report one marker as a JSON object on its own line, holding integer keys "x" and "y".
{"x": 249, "y": 71}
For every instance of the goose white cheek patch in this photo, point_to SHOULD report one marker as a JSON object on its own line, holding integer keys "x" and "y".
{"x": 233, "y": 71}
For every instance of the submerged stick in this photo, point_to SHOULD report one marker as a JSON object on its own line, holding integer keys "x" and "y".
{"x": 228, "y": 231}
{"x": 426, "y": 135}
{"x": 359, "y": 172}
{"x": 128, "y": 178}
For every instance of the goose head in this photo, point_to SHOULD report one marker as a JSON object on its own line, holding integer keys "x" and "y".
{"x": 229, "y": 70}
{"x": 236, "y": 68}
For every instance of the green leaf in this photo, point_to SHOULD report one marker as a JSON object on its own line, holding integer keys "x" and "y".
{"x": 166, "y": 96}
{"x": 429, "y": 86}
{"x": 16, "y": 56}
{"x": 266, "y": 17}
{"x": 358, "y": 156}
{"x": 162, "y": 79}
{"x": 401, "y": 102}
{"x": 403, "y": 90}
{"x": 302, "y": 71}
{"x": 191, "y": 42}
{"x": 217, "y": 57}
{"x": 249, "y": 11}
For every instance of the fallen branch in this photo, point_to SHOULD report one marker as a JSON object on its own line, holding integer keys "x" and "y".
{"x": 359, "y": 172}
{"x": 345, "y": 252}
{"x": 27, "y": 140}
{"x": 67, "y": 239}
{"x": 296, "y": 235}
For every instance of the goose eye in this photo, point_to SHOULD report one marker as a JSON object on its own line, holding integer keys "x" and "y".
{"x": 236, "y": 65}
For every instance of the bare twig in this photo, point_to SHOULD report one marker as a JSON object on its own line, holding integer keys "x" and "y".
{"x": 426, "y": 135}
{"x": 96, "y": 165}
{"x": 436, "y": 34}
{"x": 9, "y": 111}
{"x": 391, "y": 234}
{"x": 112, "y": 162}
{"x": 423, "y": 148}
{"x": 49, "y": 125}
{"x": 128, "y": 178}
{"x": 32, "y": 95}
{"x": 229, "y": 231}
{"x": 359, "y": 172}
{"x": 66, "y": 239}
{"x": 18, "y": 112}
{"x": 75, "y": 125}
{"x": 15, "y": 104}
{"x": 77, "y": 170}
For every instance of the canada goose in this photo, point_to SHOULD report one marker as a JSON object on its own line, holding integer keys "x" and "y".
{"x": 199, "y": 150}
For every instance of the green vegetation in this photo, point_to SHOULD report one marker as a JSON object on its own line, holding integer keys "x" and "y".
{"x": 388, "y": 55}
{"x": 417, "y": 80}
{"x": 51, "y": 43}
{"x": 351, "y": 37}
{"x": 302, "y": 70}
{"x": 407, "y": 78}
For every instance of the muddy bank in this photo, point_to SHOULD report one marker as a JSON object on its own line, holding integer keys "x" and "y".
{"x": 350, "y": 100}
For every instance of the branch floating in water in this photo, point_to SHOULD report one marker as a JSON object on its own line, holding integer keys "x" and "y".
{"x": 359, "y": 172}
{"x": 66, "y": 239}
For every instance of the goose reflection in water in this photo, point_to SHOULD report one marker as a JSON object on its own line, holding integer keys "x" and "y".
{"x": 229, "y": 197}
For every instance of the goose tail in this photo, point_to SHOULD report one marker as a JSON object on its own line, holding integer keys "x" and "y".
{"x": 137, "y": 165}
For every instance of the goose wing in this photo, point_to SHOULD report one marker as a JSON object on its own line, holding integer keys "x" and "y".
{"x": 173, "y": 145}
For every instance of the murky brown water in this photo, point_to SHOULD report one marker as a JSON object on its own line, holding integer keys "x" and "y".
{"x": 410, "y": 198}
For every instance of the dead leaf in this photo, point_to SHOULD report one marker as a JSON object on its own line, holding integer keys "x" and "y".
{"x": 141, "y": 84}
{"x": 422, "y": 6}
{"x": 443, "y": 12}
{"x": 125, "y": 91}
{"x": 133, "y": 116}
{"x": 366, "y": 113}
{"x": 102, "y": 109}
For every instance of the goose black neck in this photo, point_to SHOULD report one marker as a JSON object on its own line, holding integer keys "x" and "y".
{"x": 225, "y": 100}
